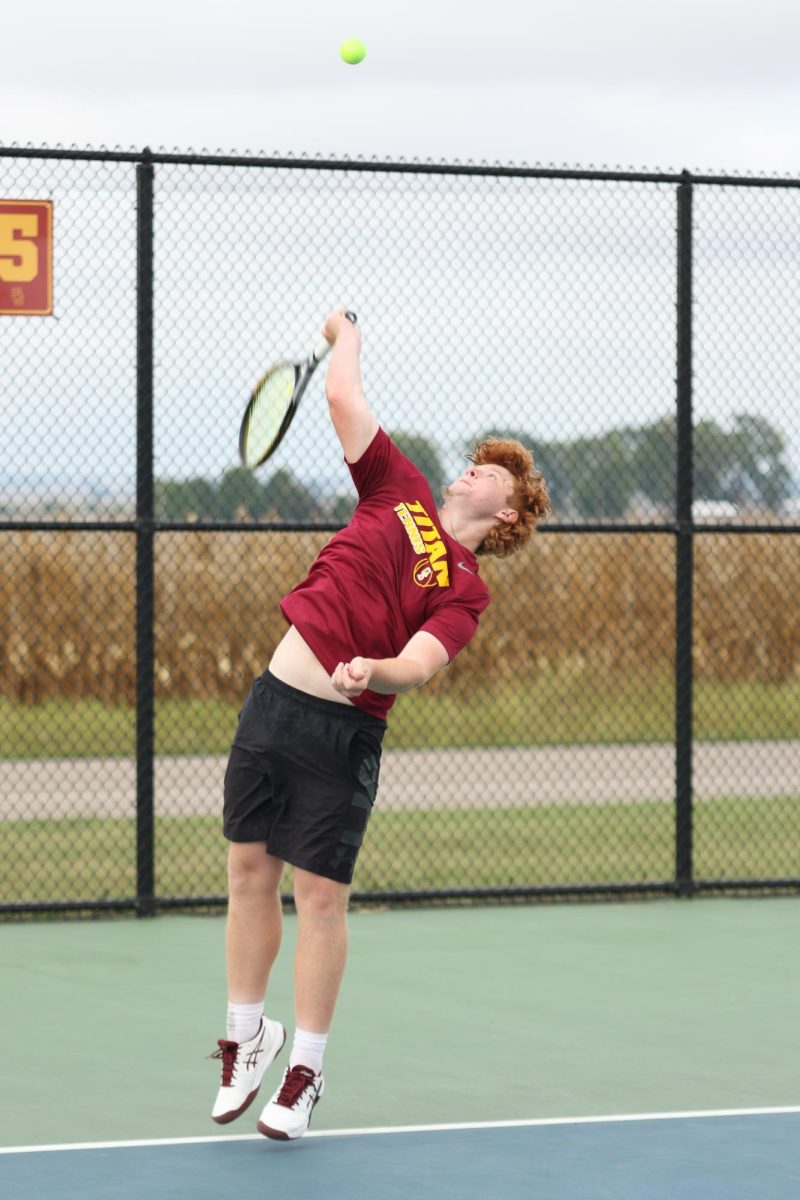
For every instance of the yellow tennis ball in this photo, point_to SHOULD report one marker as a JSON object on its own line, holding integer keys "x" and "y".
{"x": 352, "y": 50}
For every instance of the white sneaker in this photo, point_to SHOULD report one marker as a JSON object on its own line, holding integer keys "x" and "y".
{"x": 243, "y": 1067}
{"x": 288, "y": 1113}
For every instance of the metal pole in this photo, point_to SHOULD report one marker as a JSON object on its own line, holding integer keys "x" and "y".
{"x": 684, "y": 548}
{"x": 145, "y": 638}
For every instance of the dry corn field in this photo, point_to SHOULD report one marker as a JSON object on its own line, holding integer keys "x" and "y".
{"x": 570, "y": 604}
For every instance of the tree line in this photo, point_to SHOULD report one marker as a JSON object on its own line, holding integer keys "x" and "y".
{"x": 240, "y": 495}
{"x": 595, "y": 477}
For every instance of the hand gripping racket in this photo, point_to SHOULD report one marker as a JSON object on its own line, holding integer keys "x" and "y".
{"x": 273, "y": 403}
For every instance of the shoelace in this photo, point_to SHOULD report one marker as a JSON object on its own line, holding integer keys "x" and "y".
{"x": 227, "y": 1052}
{"x": 297, "y": 1080}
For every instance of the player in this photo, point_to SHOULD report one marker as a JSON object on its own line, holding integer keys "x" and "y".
{"x": 389, "y": 601}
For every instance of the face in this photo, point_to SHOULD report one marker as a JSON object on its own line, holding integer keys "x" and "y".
{"x": 486, "y": 489}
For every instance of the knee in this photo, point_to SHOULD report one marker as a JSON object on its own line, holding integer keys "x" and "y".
{"x": 251, "y": 870}
{"x": 321, "y": 900}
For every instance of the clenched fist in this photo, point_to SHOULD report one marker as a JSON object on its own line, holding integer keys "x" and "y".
{"x": 351, "y": 679}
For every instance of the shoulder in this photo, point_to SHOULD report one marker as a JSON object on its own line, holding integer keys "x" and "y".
{"x": 469, "y": 590}
{"x": 453, "y": 616}
{"x": 382, "y": 460}
{"x": 466, "y": 591}
{"x": 468, "y": 586}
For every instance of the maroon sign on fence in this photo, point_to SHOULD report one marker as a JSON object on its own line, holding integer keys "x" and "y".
{"x": 26, "y": 258}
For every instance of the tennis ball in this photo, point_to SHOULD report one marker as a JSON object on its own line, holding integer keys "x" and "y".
{"x": 352, "y": 50}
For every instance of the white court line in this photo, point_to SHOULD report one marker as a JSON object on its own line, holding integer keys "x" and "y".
{"x": 322, "y": 1133}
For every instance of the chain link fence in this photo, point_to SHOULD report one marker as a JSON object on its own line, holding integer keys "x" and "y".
{"x": 627, "y": 719}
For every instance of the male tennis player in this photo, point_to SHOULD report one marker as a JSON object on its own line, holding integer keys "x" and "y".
{"x": 389, "y": 601}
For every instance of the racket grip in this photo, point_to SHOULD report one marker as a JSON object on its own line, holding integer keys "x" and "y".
{"x": 324, "y": 346}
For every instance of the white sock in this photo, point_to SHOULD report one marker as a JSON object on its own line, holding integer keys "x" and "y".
{"x": 308, "y": 1049}
{"x": 244, "y": 1021}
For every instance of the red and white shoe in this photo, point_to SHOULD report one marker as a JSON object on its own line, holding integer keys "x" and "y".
{"x": 243, "y": 1067}
{"x": 288, "y": 1114}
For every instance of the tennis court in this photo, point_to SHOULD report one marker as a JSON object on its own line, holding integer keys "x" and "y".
{"x": 641, "y": 1050}
{"x": 717, "y": 1157}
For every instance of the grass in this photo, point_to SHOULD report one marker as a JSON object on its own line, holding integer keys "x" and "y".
{"x": 736, "y": 838}
{"x": 558, "y": 709}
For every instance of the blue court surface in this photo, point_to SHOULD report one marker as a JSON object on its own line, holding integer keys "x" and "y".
{"x": 745, "y": 1155}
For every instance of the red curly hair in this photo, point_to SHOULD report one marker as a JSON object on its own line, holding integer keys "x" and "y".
{"x": 529, "y": 496}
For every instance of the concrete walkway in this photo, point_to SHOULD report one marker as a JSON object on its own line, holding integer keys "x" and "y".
{"x": 420, "y": 779}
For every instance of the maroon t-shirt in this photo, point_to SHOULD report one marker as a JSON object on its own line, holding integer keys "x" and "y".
{"x": 392, "y": 572}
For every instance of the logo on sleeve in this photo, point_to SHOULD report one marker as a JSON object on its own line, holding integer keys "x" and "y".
{"x": 431, "y": 569}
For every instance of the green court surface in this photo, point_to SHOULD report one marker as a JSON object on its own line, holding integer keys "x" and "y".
{"x": 447, "y": 1017}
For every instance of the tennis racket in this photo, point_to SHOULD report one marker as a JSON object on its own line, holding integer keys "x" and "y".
{"x": 273, "y": 403}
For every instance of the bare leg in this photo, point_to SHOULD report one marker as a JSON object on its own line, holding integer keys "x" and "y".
{"x": 255, "y": 920}
{"x": 321, "y": 948}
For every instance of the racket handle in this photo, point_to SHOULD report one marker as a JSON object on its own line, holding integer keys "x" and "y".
{"x": 324, "y": 346}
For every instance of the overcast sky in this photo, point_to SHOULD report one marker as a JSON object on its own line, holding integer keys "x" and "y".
{"x": 712, "y": 85}
{"x": 705, "y": 84}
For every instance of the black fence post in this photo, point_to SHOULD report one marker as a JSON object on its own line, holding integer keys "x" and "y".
{"x": 684, "y": 547}
{"x": 145, "y": 637}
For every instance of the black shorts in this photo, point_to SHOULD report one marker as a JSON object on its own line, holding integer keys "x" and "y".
{"x": 302, "y": 776}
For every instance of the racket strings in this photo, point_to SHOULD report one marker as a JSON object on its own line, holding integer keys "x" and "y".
{"x": 271, "y": 403}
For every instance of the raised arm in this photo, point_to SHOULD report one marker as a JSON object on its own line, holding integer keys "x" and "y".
{"x": 355, "y": 425}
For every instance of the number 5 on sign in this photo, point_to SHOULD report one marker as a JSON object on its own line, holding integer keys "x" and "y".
{"x": 26, "y": 257}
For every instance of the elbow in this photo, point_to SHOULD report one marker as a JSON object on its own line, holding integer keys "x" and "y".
{"x": 417, "y": 673}
{"x": 342, "y": 398}
{"x": 337, "y": 407}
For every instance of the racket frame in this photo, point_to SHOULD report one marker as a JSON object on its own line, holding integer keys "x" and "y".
{"x": 302, "y": 375}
